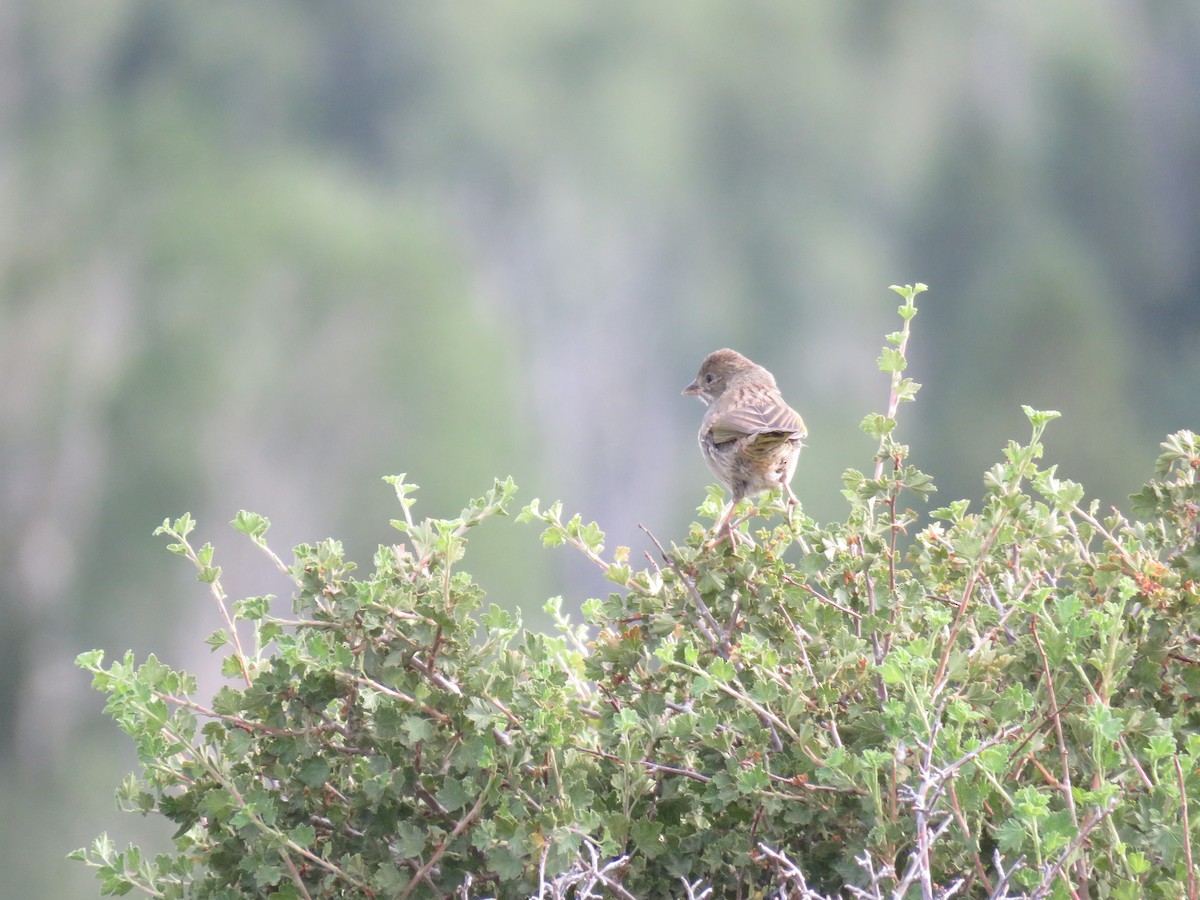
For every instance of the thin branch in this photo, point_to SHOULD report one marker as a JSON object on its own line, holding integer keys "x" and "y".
{"x": 1064, "y": 756}
{"x": 1051, "y": 872}
{"x": 218, "y": 593}
{"x": 1187, "y": 831}
{"x": 652, "y": 766}
{"x": 956, "y": 808}
{"x": 939, "y": 678}
{"x": 295, "y": 873}
{"x": 708, "y": 625}
{"x": 817, "y": 595}
{"x": 400, "y": 695}
{"x": 458, "y": 829}
{"x": 279, "y": 564}
{"x": 801, "y": 638}
{"x": 722, "y": 686}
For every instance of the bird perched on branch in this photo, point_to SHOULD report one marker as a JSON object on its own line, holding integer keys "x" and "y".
{"x": 750, "y": 438}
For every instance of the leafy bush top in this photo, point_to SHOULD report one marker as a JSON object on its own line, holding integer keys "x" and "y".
{"x": 998, "y": 704}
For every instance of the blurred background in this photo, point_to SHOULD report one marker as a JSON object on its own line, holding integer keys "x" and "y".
{"x": 257, "y": 255}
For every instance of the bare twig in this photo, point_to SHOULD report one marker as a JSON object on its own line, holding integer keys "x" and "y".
{"x": 1001, "y": 889}
{"x": 789, "y": 878}
{"x": 579, "y": 881}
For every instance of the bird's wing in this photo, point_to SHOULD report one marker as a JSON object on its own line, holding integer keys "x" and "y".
{"x": 771, "y": 415}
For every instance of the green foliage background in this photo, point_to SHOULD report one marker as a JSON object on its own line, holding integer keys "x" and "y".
{"x": 255, "y": 255}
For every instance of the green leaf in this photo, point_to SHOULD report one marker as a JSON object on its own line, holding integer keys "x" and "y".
{"x": 1011, "y": 836}
{"x": 891, "y": 671}
{"x": 505, "y": 863}
{"x": 752, "y": 779}
{"x": 722, "y": 670}
{"x": 266, "y": 875}
{"x": 90, "y": 660}
{"x": 304, "y": 835}
{"x": 906, "y": 389}
{"x": 389, "y": 881}
{"x": 252, "y": 608}
{"x": 891, "y": 360}
{"x": 180, "y": 528}
{"x": 877, "y": 425}
{"x": 251, "y": 524}
{"x": 454, "y": 794}
{"x": 313, "y": 772}
{"x": 217, "y": 639}
{"x": 1031, "y": 803}
{"x": 626, "y": 721}
{"x": 1108, "y": 725}
{"x": 1040, "y": 418}
{"x": 647, "y": 836}
{"x": 531, "y": 512}
{"x": 711, "y": 581}
{"x": 410, "y": 840}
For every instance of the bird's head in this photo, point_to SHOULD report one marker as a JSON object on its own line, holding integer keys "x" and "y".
{"x": 717, "y": 370}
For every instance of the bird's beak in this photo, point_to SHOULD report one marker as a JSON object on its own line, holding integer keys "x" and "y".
{"x": 692, "y": 389}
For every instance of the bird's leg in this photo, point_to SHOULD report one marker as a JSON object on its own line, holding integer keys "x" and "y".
{"x": 792, "y": 502}
{"x": 724, "y": 528}
{"x": 730, "y": 526}
{"x": 736, "y": 523}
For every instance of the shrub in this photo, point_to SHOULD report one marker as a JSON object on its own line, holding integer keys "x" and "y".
{"x": 999, "y": 704}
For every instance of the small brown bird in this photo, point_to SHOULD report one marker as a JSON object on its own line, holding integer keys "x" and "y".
{"x": 750, "y": 438}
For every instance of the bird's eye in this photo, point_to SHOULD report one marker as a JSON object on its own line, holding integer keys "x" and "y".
{"x": 709, "y": 378}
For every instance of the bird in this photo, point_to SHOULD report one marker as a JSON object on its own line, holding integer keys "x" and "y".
{"x": 749, "y": 436}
